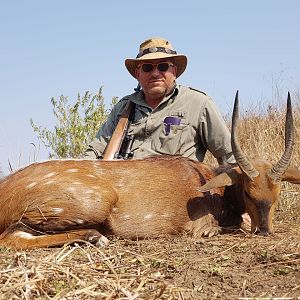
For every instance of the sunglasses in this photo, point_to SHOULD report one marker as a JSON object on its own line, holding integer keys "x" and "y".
{"x": 161, "y": 67}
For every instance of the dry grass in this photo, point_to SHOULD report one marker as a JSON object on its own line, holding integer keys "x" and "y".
{"x": 225, "y": 267}
{"x": 229, "y": 266}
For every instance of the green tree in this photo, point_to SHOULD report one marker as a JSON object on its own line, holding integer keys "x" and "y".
{"x": 76, "y": 124}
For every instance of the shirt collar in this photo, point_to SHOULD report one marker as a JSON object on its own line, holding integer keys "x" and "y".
{"x": 139, "y": 97}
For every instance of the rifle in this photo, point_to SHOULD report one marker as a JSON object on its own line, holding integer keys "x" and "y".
{"x": 114, "y": 146}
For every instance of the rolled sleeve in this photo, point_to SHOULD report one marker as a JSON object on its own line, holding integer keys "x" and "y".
{"x": 214, "y": 133}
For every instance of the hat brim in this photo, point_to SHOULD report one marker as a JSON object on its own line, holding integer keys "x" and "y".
{"x": 179, "y": 60}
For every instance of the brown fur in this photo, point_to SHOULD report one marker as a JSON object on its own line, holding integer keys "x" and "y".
{"x": 258, "y": 196}
{"x": 136, "y": 198}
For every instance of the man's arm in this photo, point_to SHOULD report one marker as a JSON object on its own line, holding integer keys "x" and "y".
{"x": 215, "y": 134}
{"x": 95, "y": 149}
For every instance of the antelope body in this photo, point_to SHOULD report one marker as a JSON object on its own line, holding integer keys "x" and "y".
{"x": 136, "y": 198}
{"x": 60, "y": 201}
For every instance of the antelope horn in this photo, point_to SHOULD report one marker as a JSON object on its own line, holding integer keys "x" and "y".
{"x": 281, "y": 166}
{"x": 241, "y": 159}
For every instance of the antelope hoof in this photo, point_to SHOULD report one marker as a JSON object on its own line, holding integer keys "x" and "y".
{"x": 102, "y": 242}
{"x": 212, "y": 232}
{"x": 246, "y": 219}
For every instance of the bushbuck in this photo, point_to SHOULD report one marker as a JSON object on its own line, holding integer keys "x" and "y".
{"x": 257, "y": 183}
{"x": 62, "y": 201}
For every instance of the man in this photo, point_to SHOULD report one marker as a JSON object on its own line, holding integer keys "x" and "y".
{"x": 168, "y": 118}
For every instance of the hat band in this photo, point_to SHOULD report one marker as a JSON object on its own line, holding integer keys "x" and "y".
{"x": 156, "y": 49}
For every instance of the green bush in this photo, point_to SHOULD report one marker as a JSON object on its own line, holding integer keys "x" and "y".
{"x": 76, "y": 124}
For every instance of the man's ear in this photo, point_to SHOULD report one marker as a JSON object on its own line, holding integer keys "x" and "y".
{"x": 137, "y": 73}
{"x": 175, "y": 71}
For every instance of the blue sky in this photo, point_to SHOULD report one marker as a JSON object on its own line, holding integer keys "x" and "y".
{"x": 49, "y": 48}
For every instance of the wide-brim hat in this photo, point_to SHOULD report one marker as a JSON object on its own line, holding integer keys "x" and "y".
{"x": 156, "y": 48}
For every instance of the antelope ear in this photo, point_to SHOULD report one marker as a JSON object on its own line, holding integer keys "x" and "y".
{"x": 291, "y": 175}
{"x": 228, "y": 178}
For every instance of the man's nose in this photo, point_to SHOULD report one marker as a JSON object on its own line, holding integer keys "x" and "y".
{"x": 155, "y": 72}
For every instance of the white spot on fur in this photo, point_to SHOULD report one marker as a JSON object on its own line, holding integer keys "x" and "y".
{"x": 114, "y": 209}
{"x": 50, "y": 175}
{"x": 79, "y": 221}
{"x": 57, "y": 210}
{"x": 89, "y": 192}
{"x": 90, "y": 175}
{"x": 71, "y": 170}
{"x": 70, "y": 189}
{"x": 149, "y": 216}
{"x": 77, "y": 183}
{"x": 166, "y": 215}
{"x": 23, "y": 235}
{"x": 95, "y": 187}
{"x": 49, "y": 182}
{"x": 126, "y": 216}
{"x": 29, "y": 186}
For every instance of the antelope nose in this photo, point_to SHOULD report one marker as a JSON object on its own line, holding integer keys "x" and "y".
{"x": 263, "y": 231}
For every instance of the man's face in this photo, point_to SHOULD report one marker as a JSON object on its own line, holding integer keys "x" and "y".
{"x": 156, "y": 77}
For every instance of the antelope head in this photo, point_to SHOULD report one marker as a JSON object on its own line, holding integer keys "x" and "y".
{"x": 259, "y": 180}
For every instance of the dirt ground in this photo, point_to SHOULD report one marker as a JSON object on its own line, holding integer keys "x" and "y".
{"x": 234, "y": 265}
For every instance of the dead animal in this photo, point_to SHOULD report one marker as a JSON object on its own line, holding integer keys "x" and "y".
{"x": 62, "y": 201}
{"x": 257, "y": 183}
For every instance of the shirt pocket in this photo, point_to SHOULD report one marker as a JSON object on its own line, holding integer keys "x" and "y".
{"x": 172, "y": 142}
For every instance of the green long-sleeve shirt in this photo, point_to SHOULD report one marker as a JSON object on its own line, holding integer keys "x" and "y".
{"x": 201, "y": 127}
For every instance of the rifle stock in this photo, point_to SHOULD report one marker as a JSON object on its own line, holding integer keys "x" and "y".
{"x": 114, "y": 145}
